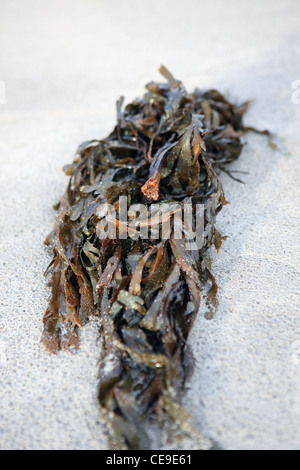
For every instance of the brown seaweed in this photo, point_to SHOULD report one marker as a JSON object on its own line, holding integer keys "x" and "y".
{"x": 168, "y": 146}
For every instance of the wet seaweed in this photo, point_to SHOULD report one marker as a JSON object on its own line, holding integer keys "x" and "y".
{"x": 169, "y": 146}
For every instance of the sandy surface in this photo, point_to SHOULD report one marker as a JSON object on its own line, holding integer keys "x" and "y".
{"x": 63, "y": 64}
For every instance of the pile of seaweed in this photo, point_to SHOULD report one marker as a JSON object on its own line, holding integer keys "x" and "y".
{"x": 168, "y": 146}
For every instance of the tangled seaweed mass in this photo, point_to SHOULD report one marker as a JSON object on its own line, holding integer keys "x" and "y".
{"x": 168, "y": 146}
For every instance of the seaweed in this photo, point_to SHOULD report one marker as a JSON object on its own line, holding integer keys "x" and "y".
{"x": 112, "y": 261}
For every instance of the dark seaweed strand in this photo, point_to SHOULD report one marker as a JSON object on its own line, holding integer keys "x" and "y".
{"x": 169, "y": 145}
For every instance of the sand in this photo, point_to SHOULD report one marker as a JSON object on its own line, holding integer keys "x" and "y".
{"x": 63, "y": 64}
